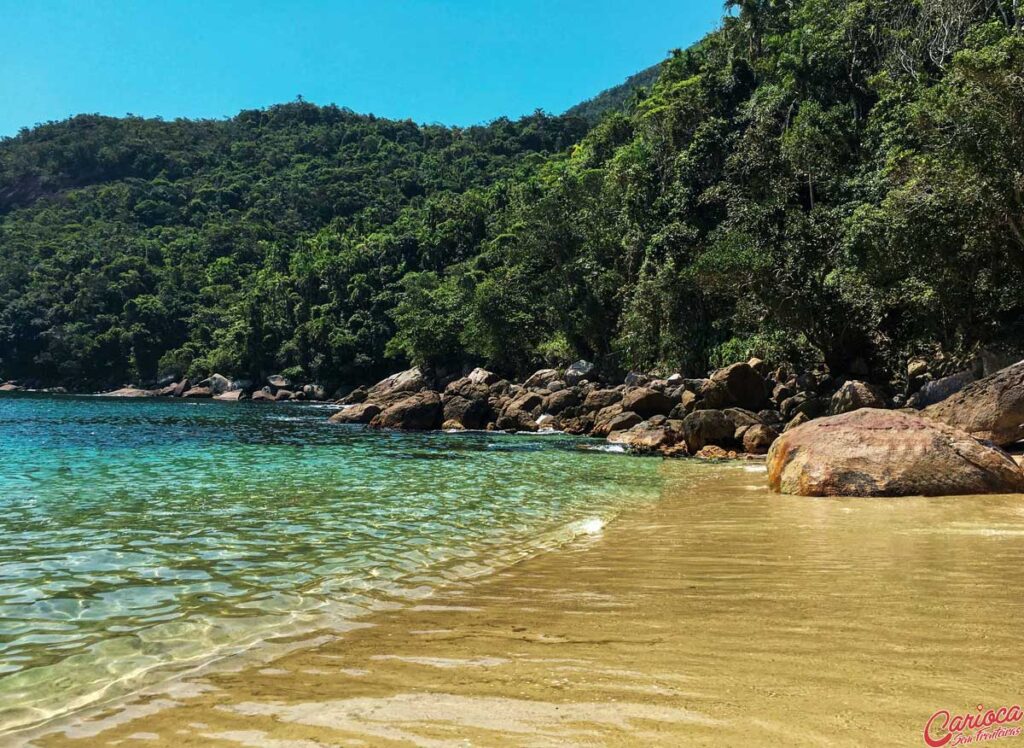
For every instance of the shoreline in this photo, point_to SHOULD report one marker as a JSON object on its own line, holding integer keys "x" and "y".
{"x": 711, "y": 617}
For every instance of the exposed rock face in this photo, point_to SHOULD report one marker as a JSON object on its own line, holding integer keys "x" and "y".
{"x": 263, "y": 396}
{"x": 746, "y": 387}
{"x": 647, "y": 402}
{"x": 419, "y": 412}
{"x": 130, "y": 392}
{"x": 197, "y": 393}
{"x": 578, "y": 372}
{"x": 278, "y": 381}
{"x": 541, "y": 378}
{"x": 870, "y": 452}
{"x": 703, "y": 427}
{"x": 467, "y": 404}
{"x": 854, "y": 395}
{"x": 516, "y": 419}
{"x": 359, "y": 413}
{"x": 218, "y": 384}
{"x": 599, "y": 399}
{"x": 939, "y": 389}
{"x": 10, "y": 387}
{"x": 991, "y": 408}
{"x": 283, "y": 395}
{"x": 482, "y": 376}
{"x": 758, "y": 438}
{"x": 557, "y": 402}
{"x": 411, "y": 380}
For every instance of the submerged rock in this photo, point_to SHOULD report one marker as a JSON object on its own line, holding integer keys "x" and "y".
{"x": 870, "y": 452}
{"x": 991, "y": 408}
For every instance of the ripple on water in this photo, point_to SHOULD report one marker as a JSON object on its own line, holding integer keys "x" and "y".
{"x": 140, "y": 535}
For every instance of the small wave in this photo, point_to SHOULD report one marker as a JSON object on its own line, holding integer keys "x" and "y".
{"x": 615, "y": 448}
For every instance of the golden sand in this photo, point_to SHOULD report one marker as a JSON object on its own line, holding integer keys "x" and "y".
{"x": 722, "y": 615}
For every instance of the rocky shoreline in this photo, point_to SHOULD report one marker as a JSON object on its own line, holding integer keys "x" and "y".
{"x": 822, "y": 435}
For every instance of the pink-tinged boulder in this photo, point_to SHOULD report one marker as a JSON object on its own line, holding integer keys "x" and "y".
{"x": 411, "y": 380}
{"x": 870, "y": 452}
{"x": 419, "y": 412}
{"x": 198, "y": 393}
{"x": 645, "y": 438}
{"x": 232, "y": 396}
{"x": 991, "y": 408}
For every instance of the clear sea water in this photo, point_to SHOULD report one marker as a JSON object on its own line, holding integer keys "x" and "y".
{"x": 142, "y": 537}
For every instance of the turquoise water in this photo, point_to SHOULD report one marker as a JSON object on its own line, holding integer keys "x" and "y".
{"x": 141, "y": 537}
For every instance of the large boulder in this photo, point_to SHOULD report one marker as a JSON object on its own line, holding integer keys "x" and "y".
{"x": 854, "y": 395}
{"x": 279, "y": 381}
{"x": 557, "y": 402}
{"x": 645, "y": 438}
{"x": 232, "y": 396}
{"x": 541, "y": 378}
{"x": 516, "y": 419}
{"x": 482, "y": 376}
{"x": 598, "y": 399}
{"x": 759, "y": 438}
{"x": 745, "y": 386}
{"x": 578, "y": 372}
{"x": 358, "y": 413}
{"x": 468, "y": 406}
{"x": 991, "y": 408}
{"x": 411, "y": 380}
{"x": 218, "y": 384}
{"x": 703, "y": 427}
{"x": 418, "y": 412}
{"x": 939, "y": 389}
{"x": 871, "y": 452}
{"x": 648, "y": 402}
{"x": 198, "y": 393}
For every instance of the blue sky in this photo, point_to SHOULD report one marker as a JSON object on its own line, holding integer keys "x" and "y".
{"x": 450, "y": 61}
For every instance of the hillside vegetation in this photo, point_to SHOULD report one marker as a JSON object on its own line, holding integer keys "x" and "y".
{"x": 818, "y": 180}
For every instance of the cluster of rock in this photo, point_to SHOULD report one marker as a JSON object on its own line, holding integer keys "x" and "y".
{"x": 218, "y": 387}
{"x": 739, "y": 409}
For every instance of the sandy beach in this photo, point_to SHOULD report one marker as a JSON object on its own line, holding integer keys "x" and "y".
{"x": 721, "y": 615}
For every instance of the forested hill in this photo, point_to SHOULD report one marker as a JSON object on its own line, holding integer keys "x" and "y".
{"x": 824, "y": 180}
{"x": 617, "y": 98}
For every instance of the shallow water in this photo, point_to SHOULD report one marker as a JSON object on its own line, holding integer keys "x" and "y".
{"x": 720, "y": 615}
{"x": 142, "y": 537}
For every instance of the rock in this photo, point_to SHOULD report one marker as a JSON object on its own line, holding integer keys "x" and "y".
{"x": 231, "y": 397}
{"x": 541, "y": 378}
{"x": 196, "y": 393}
{"x": 675, "y": 380}
{"x": 713, "y": 452}
{"x": 10, "y": 387}
{"x": 578, "y": 371}
{"x": 687, "y": 402}
{"x": 991, "y": 408}
{"x": 746, "y": 387}
{"x": 712, "y": 395}
{"x": 599, "y": 399}
{"x": 452, "y": 426}
{"x": 548, "y": 422}
{"x": 781, "y": 393}
{"x": 167, "y": 391}
{"x": 470, "y": 408}
{"x": 853, "y": 395}
{"x": 623, "y": 421}
{"x": 810, "y": 405}
{"x": 759, "y": 366}
{"x": 555, "y": 386}
{"x": 557, "y": 402}
{"x": 264, "y": 395}
{"x": 482, "y": 376}
{"x": 603, "y": 419}
{"x": 516, "y": 419}
{"x": 279, "y": 382}
{"x": 358, "y": 413}
{"x": 870, "y": 452}
{"x": 636, "y": 379}
{"x": 283, "y": 395}
{"x": 798, "y": 420}
{"x": 758, "y": 438}
{"x": 644, "y": 438}
{"x": 358, "y": 395}
{"x": 408, "y": 381}
{"x": 217, "y": 384}
{"x": 315, "y": 392}
{"x": 421, "y": 411}
{"x": 130, "y": 392}
{"x": 528, "y": 402}
{"x": 703, "y": 427}
{"x": 771, "y": 417}
{"x": 916, "y": 368}
{"x": 578, "y": 425}
{"x": 939, "y": 389}
{"x": 647, "y": 402}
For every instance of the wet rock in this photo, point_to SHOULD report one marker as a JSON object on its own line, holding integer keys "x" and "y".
{"x": 644, "y": 438}
{"x": 854, "y": 395}
{"x": 265, "y": 395}
{"x": 198, "y": 393}
{"x": 283, "y": 395}
{"x": 421, "y": 411}
{"x": 757, "y": 439}
{"x": 991, "y": 408}
{"x": 358, "y": 413}
{"x": 871, "y": 452}
{"x": 714, "y": 452}
{"x": 647, "y": 402}
{"x": 230, "y": 397}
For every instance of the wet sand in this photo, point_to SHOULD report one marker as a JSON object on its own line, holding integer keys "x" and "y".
{"x": 722, "y": 615}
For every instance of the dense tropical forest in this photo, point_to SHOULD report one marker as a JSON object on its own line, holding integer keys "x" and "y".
{"x": 818, "y": 180}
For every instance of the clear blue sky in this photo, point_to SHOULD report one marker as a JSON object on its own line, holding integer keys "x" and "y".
{"x": 450, "y": 61}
